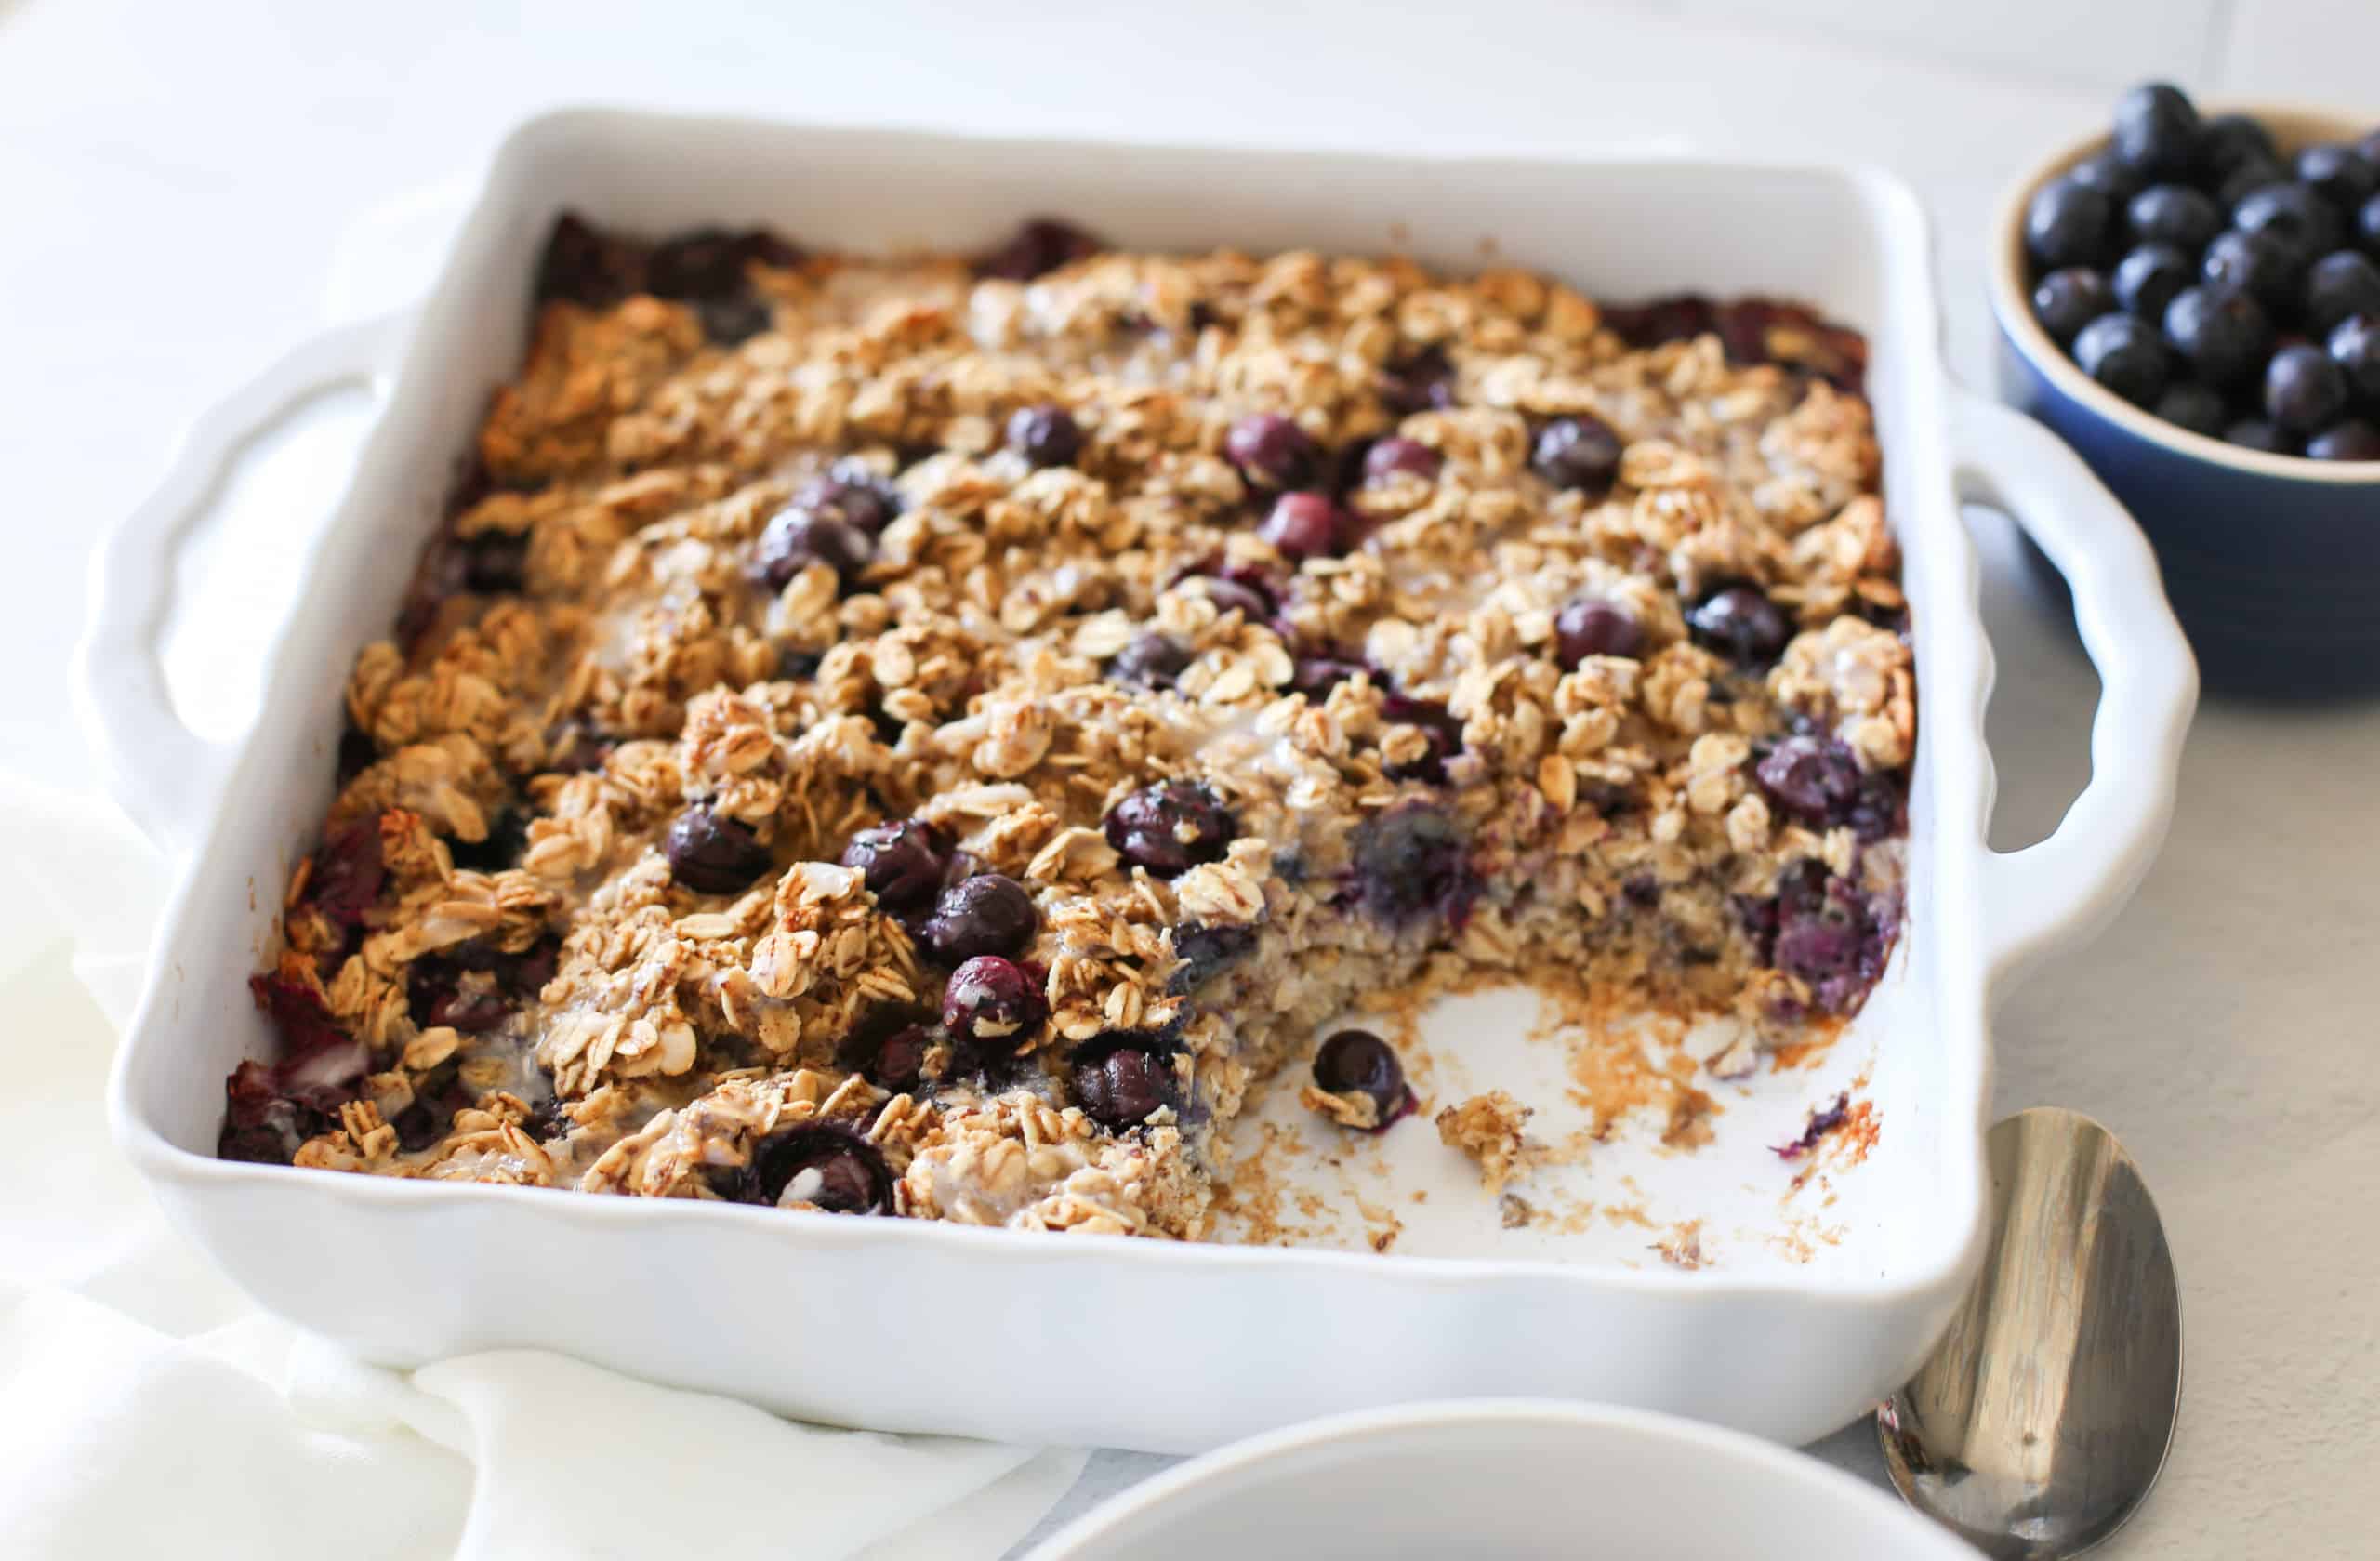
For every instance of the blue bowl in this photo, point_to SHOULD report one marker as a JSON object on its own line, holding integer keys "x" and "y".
{"x": 2272, "y": 562}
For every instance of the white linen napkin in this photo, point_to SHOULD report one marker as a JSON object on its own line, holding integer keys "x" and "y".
{"x": 148, "y": 1408}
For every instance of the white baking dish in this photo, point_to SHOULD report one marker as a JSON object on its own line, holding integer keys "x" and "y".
{"x": 919, "y": 1327}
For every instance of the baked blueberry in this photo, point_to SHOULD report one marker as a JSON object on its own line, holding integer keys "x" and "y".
{"x": 2355, "y": 347}
{"x": 2341, "y": 175}
{"x": 2353, "y": 439}
{"x": 1590, "y": 626}
{"x": 1740, "y": 623}
{"x": 1044, "y": 436}
{"x": 507, "y": 838}
{"x": 850, "y": 489}
{"x": 2292, "y": 212}
{"x": 1811, "y": 778}
{"x": 901, "y": 862}
{"x": 1439, "y": 728}
{"x": 2255, "y": 433}
{"x": 1305, "y": 525}
{"x": 992, "y": 1006}
{"x": 497, "y": 563}
{"x": 587, "y": 267}
{"x": 714, "y": 856}
{"x": 890, "y": 1052}
{"x": 2193, "y": 406}
{"x": 1237, "y": 595}
{"x": 1680, "y": 317}
{"x": 2104, "y": 173}
{"x": 732, "y": 321}
{"x": 2341, "y": 285}
{"x": 1358, "y": 1062}
{"x": 1580, "y": 453}
{"x": 1393, "y": 456}
{"x": 1040, "y": 245}
{"x": 2265, "y": 265}
{"x": 990, "y": 913}
{"x": 1272, "y": 452}
{"x": 1423, "y": 382}
{"x": 797, "y": 538}
{"x": 1412, "y": 862}
{"x": 1118, "y": 1084}
{"x": 713, "y": 263}
{"x": 2070, "y": 297}
{"x": 2147, "y": 280}
{"x": 2230, "y": 141}
{"x": 346, "y": 872}
{"x": 2221, "y": 332}
{"x": 2069, "y": 224}
{"x": 2305, "y": 391}
{"x": 1315, "y": 675}
{"x": 1171, "y": 827}
{"x": 1150, "y": 660}
{"x": 2157, "y": 132}
{"x": 2125, "y": 355}
{"x": 830, "y": 1168}
{"x": 1206, "y": 951}
{"x": 2174, "y": 214}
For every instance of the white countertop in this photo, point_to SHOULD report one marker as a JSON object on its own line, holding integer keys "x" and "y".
{"x": 176, "y": 178}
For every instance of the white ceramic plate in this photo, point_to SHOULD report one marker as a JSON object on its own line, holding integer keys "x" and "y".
{"x": 1505, "y": 1480}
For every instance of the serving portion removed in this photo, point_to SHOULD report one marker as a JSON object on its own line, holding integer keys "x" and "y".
{"x": 932, "y": 736}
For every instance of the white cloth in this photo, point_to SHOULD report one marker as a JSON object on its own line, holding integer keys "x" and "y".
{"x": 147, "y": 1408}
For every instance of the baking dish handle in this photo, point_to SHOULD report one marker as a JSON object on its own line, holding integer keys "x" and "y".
{"x": 164, "y": 775}
{"x": 2072, "y": 884}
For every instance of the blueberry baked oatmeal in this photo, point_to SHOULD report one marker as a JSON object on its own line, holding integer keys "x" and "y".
{"x": 929, "y": 736}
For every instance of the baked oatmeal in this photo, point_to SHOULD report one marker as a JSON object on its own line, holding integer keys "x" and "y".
{"x": 928, "y": 736}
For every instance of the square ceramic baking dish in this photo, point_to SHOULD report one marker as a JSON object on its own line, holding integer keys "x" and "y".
{"x": 1810, "y": 1312}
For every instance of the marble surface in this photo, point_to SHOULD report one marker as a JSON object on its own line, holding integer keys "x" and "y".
{"x": 183, "y": 188}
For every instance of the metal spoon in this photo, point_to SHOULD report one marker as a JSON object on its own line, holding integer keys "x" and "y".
{"x": 2045, "y": 1415}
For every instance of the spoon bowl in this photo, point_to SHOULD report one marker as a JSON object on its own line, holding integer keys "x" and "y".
{"x": 2045, "y": 1415}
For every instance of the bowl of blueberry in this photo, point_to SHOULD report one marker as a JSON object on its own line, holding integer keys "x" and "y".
{"x": 2191, "y": 299}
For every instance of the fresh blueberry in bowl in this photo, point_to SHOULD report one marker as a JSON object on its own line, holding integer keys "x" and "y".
{"x": 2367, "y": 227}
{"x": 2106, "y": 172}
{"x": 2221, "y": 333}
{"x": 2355, "y": 347}
{"x": 2354, "y": 440}
{"x": 2341, "y": 175}
{"x": 2229, "y": 142}
{"x": 2292, "y": 212}
{"x": 2255, "y": 433}
{"x": 2341, "y": 285}
{"x": 2193, "y": 406}
{"x": 2147, "y": 279}
{"x": 2305, "y": 391}
{"x": 2125, "y": 355}
{"x": 2157, "y": 132}
{"x": 2175, "y": 215}
{"x": 2069, "y": 224}
{"x": 2070, "y": 297}
{"x": 2256, "y": 173}
{"x": 2266, "y": 265}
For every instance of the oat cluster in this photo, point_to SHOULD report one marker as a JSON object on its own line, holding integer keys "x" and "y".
{"x": 765, "y": 551}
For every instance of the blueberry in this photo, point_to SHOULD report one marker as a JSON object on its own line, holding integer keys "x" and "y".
{"x": 714, "y": 856}
{"x": 2193, "y": 406}
{"x": 473, "y": 986}
{"x": 2341, "y": 175}
{"x": 1358, "y": 1062}
{"x": 2304, "y": 389}
{"x": 1580, "y": 453}
{"x": 347, "y": 873}
{"x": 1590, "y": 626}
{"x": 1149, "y": 660}
{"x": 990, "y": 913}
{"x": 1411, "y": 862}
{"x": 2367, "y": 227}
{"x": 496, "y": 563}
{"x": 714, "y": 263}
{"x": 587, "y": 267}
{"x": 357, "y": 753}
{"x": 507, "y": 838}
{"x": 2069, "y": 299}
{"x": 2267, "y": 266}
{"x": 1119, "y": 1083}
{"x": 901, "y": 862}
{"x": 1740, "y": 623}
{"x": 2353, "y": 439}
{"x": 2147, "y": 279}
{"x": 2340, "y": 285}
{"x": 1681, "y": 317}
{"x": 2104, "y": 173}
{"x": 2355, "y": 347}
{"x": 261, "y": 1123}
{"x": 2291, "y": 212}
{"x": 2255, "y": 433}
{"x": 1834, "y": 939}
{"x": 1272, "y": 452}
{"x": 1237, "y": 596}
{"x": 1206, "y": 952}
{"x": 1171, "y": 827}
{"x": 891, "y": 1052}
{"x": 1315, "y": 676}
{"x": 2174, "y": 214}
{"x": 1044, "y": 436}
{"x": 2125, "y": 355}
{"x": 2068, "y": 224}
{"x": 852, "y": 491}
{"x": 1042, "y": 244}
{"x": 2157, "y": 132}
{"x": 1423, "y": 382}
{"x": 2222, "y": 333}
{"x": 797, "y": 538}
{"x": 1394, "y": 455}
{"x": 1304, "y": 525}
{"x": 1436, "y": 724}
{"x": 2254, "y": 173}
{"x": 1813, "y": 779}
{"x": 2229, "y": 142}
{"x": 831, "y": 1169}
{"x": 992, "y": 1005}
{"x": 730, "y": 322}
